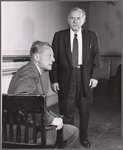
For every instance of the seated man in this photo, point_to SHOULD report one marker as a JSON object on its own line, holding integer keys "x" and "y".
{"x": 27, "y": 81}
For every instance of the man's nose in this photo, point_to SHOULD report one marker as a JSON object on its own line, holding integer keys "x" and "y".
{"x": 53, "y": 59}
{"x": 75, "y": 20}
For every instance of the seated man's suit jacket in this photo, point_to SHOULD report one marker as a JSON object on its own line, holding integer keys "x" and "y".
{"x": 27, "y": 80}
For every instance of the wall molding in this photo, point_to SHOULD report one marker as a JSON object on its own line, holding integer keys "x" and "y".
{"x": 11, "y": 63}
{"x": 15, "y": 58}
{"x": 21, "y": 58}
{"x": 110, "y": 54}
{"x": 9, "y": 68}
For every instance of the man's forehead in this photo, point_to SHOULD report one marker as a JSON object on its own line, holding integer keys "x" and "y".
{"x": 46, "y": 49}
{"x": 76, "y": 12}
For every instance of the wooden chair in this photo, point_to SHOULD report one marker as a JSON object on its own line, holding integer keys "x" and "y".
{"x": 16, "y": 106}
{"x": 115, "y": 82}
{"x": 102, "y": 88}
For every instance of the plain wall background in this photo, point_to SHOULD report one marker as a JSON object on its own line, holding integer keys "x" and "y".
{"x": 105, "y": 19}
{"x": 25, "y": 22}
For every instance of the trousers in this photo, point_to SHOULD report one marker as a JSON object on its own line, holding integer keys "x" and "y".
{"x": 75, "y": 99}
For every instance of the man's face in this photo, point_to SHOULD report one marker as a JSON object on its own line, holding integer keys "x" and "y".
{"x": 76, "y": 19}
{"x": 46, "y": 59}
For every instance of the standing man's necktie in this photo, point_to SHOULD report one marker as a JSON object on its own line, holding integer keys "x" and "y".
{"x": 75, "y": 52}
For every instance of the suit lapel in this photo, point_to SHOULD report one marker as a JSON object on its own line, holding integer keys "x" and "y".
{"x": 39, "y": 88}
{"x": 85, "y": 42}
{"x": 68, "y": 46}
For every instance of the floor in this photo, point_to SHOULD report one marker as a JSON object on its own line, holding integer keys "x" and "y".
{"x": 105, "y": 122}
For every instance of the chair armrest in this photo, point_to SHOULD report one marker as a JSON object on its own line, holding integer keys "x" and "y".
{"x": 50, "y": 127}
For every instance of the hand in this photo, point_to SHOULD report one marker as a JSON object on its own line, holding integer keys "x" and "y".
{"x": 55, "y": 87}
{"x": 57, "y": 122}
{"x": 93, "y": 83}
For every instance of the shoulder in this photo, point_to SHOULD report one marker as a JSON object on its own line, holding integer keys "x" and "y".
{"x": 62, "y": 32}
{"x": 89, "y": 32}
{"x": 29, "y": 69}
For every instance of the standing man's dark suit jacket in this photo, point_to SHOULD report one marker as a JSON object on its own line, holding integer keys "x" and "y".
{"x": 62, "y": 53}
{"x": 27, "y": 80}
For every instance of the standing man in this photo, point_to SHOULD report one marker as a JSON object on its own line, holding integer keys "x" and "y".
{"x": 75, "y": 70}
{"x": 27, "y": 80}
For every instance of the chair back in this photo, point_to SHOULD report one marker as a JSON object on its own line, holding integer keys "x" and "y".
{"x": 16, "y": 109}
{"x": 105, "y": 68}
{"x": 102, "y": 88}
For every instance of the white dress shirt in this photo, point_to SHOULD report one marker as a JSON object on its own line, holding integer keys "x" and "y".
{"x": 79, "y": 37}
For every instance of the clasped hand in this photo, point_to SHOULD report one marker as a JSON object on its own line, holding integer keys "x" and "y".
{"x": 57, "y": 122}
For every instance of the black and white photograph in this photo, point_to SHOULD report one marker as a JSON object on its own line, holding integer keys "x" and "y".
{"x": 61, "y": 74}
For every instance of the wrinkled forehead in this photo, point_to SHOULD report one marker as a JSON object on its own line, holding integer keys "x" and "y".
{"x": 45, "y": 49}
{"x": 78, "y": 12}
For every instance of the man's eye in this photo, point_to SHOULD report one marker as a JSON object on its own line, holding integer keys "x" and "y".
{"x": 50, "y": 56}
{"x": 71, "y": 18}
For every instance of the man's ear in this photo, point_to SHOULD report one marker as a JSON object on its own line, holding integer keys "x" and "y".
{"x": 36, "y": 57}
{"x": 84, "y": 20}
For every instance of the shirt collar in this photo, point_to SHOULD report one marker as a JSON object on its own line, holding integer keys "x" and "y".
{"x": 78, "y": 33}
{"x": 40, "y": 71}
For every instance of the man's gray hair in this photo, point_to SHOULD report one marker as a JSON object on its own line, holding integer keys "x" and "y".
{"x": 75, "y": 9}
{"x": 36, "y": 45}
